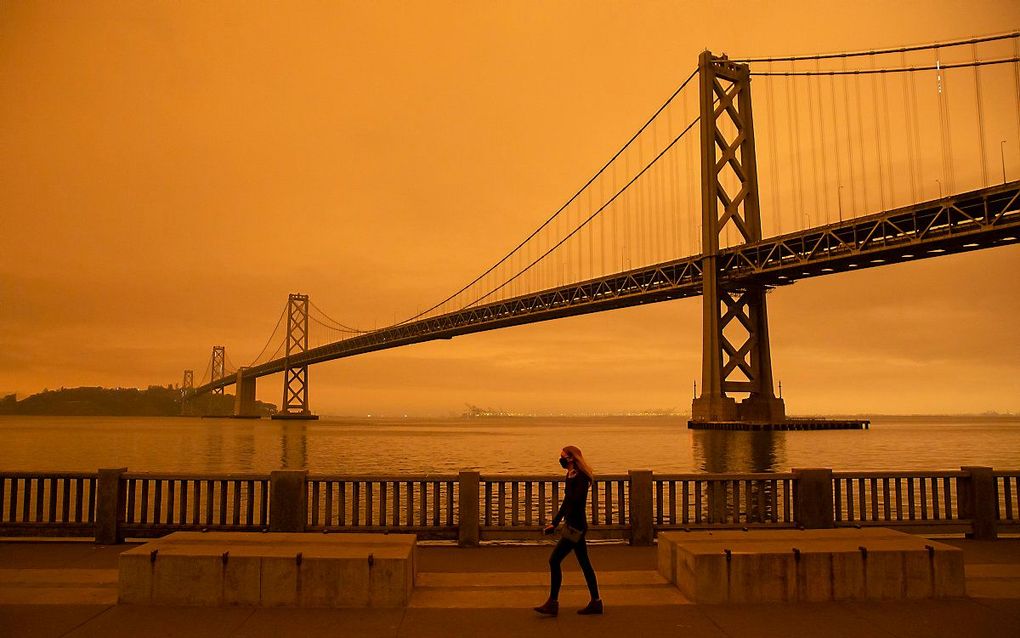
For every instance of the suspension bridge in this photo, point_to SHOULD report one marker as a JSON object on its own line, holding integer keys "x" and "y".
{"x": 855, "y": 160}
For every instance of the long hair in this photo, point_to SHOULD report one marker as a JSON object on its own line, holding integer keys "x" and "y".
{"x": 579, "y": 461}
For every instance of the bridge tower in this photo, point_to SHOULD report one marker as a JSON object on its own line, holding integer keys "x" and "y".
{"x": 187, "y": 391}
{"x": 188, "y": 384}
{"x": 219, "y": 366}
{"x": 735, "y": 339}
{"x": 295, "y": 377}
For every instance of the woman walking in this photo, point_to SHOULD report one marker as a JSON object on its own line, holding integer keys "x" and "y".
{"x": 572, "y": 538}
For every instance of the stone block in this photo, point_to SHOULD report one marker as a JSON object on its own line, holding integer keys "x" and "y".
{"x": 242, "y": 581}
{"x": 279, "y": 581}
{"x": 244, "y": 569}
{"x": 829, "y": 564}
{"x": 813, "y": 577}
{"x": 135, "y": 584}
{"x": 187, "y": 580}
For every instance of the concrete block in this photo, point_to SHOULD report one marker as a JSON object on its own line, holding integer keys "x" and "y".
{"x": 187, "y": 580}
{"x": 135, "y": 584}
{"x": 848, "y": 576}
{"x": 883, "y": 575}
{"x": 279, "y": 581}
{"x": 391, "y": 583}
{"x": 830, "y": 564}
{"x": 760, "y": 577}
{"x": 948, "y": 574}
{"x": 813, "y": 578}
{"x": 242, "y": 581}
{"x": 244, "y": 569}
{"x": 666, "y": 556}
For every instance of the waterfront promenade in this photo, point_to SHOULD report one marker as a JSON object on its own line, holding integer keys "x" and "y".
{"x": 59, "y": 588}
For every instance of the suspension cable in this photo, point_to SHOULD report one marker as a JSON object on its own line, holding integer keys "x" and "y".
{"x": 592, "y": 216}
{"x": 342, "y": 326}
{"x": 911, "y": 69}
{"x": 564, "y": 206}
{"x": 907, "y": 49}
{"x": 270, "y": 339}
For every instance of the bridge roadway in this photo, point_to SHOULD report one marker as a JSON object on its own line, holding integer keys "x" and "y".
{"x": 975, "y": 220}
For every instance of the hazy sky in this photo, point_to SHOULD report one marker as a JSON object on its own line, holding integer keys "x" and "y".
{"x": 169, "y": 171}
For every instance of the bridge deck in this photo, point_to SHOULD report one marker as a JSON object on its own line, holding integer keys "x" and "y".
{"x": 975, "y": 220}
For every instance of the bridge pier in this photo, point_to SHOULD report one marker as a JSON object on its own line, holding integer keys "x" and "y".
{"x": 245, "y": 406}
{"x": 735, "y": 338}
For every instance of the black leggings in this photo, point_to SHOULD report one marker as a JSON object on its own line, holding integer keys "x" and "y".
{"x": 558, "y": 554}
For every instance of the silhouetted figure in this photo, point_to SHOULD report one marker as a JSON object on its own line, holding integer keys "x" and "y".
{"x": 572, "y": 537}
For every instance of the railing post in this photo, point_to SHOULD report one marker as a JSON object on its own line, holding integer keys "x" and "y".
{"x": 110, "y": 501}
{"x": 812, "y": 498}
{"x": 467, "y": 502}
{"x": 288, "y": 500}
{"x": 640, "y": 511}
{"x": 977, "y": 496}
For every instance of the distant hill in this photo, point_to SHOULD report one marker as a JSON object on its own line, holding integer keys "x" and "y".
{"x": 156, "y": 400}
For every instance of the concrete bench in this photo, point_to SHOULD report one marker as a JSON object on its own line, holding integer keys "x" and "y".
{"x": 270, "y": 570}
{"x": 809, "y": 565}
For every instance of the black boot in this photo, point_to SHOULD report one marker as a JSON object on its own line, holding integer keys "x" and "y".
{"x": 550, "y": 607}
{"x": 594, "y": 607}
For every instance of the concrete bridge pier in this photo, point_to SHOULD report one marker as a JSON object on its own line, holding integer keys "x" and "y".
{"x": 245, "y": 406}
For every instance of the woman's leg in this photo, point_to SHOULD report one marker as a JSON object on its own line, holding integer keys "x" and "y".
{"x": 556, "y": 574}
{"x": 581, "y": 550}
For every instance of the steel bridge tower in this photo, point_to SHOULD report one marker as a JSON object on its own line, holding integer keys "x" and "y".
{"x": 219, "y": 366}
{"x": 735, "y": 340}
{"x": 187, "y": 392}
{"x": 295, "y": 377}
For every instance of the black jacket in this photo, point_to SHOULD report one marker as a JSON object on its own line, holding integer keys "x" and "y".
{"x": 575, "y": 500}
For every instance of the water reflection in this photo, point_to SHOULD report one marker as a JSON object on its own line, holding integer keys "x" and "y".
{"x": 721, "y": 451}
{"x": 293, "y": 445}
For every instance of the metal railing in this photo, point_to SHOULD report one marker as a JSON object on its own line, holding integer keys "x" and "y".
{"x": 156, "y": 504}
{"x": 113, "y": 504}
{"x": 511, "y": 504}
{"x": 892, "y": 499}
{"x": 422, "y": 504}
{"x": 47, "y": 503}
{"x": 1007, "y": 502}
{"x": 689, "y": 501}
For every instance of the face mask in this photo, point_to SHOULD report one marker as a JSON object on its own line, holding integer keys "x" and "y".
{"x": 563, "y": 462}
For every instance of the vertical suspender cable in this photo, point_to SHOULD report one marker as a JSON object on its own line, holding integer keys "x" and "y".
{"x": 980, "y": 120}
{"x": 694, "y": 230}
{"x": 849, "y": 144}
{"x": 878, "y": 136}
{"x": 860, "y": 145}
{"x": 1016, "y": 88}
{"x": 835, "y": 143}
{"x": 770, "y": 110}
{"x": 824, "y": 145}
{"x": 887, "y": 136}
{"x": 794, "y": 120}
{"x": 815, "y": 173}
{"x": 675, "y": 249}
{"x": 909, "y": 116}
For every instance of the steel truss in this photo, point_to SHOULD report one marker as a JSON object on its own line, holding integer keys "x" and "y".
{"x": 976, "y": 220}
{"x": 295, "y": 373}
{"x": 218, "y": 367}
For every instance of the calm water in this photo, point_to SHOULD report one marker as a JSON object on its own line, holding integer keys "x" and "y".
{"x": 493, "y": 445}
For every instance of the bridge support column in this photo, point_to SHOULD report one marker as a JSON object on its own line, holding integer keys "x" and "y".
{"x": 218, "y": 366}
{"x": 187, "y": 390}
{"x": 295, "y": 376}
{"x": 245, "y": 406}
{"x": 735, "y": 341}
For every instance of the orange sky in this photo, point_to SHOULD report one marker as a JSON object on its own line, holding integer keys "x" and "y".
{"x": 170, "y": 171}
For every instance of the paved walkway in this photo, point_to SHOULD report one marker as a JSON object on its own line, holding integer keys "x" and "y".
{"x": 69, "y": 589}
